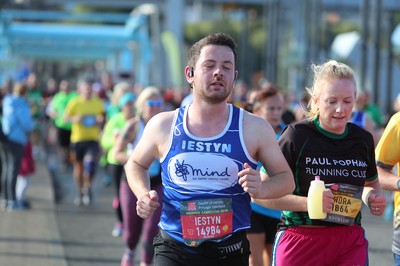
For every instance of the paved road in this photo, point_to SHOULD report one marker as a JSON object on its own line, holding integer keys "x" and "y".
{"x": 56, "y": 232}
{"x": 86, "y": 231}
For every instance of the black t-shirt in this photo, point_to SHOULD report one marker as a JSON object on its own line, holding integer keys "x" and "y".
{"x": 311, "y": 151}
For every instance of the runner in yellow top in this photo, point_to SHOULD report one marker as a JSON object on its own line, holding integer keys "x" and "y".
{"x": 387, "y": 157}
{"x": 86, "y": 112}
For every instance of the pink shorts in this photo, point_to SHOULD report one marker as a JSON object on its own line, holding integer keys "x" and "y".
{"x": 331, "y": 245}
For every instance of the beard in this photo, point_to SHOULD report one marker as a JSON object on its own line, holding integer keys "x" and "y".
{"x": 215, "y": 97}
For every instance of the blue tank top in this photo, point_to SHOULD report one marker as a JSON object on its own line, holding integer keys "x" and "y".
{"x": 202, "y": 199}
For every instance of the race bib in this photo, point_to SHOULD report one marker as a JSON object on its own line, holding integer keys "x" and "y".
{"x": 347, "y": 203}
{"x": 89, "y": 120}
{"x": 205, "y": 219}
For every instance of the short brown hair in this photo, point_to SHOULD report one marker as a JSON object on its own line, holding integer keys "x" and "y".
{"x": 222, "y": 39}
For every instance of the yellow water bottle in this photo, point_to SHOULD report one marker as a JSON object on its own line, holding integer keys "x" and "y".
{"x": 314, "y": 199}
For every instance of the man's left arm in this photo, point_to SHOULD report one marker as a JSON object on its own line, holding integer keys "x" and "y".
{"x": 280, "y": 181}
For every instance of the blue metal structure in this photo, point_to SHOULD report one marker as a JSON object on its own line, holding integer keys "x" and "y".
{"x": 121, "y": 39}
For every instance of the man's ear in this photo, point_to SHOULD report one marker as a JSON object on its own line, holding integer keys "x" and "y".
{"x": 236, "y": 75}
{"x": 189, "y": 71}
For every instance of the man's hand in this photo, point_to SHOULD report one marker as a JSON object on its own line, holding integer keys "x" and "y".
{"x": 147, "y": 204}
{"x": 250, "y": 180}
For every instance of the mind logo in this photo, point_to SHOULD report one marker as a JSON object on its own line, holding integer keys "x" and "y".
{"x": 181, "y": 169}
{"x": 198, "y": 171}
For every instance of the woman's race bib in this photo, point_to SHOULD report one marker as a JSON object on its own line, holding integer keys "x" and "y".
{"x": 347, "y": 203}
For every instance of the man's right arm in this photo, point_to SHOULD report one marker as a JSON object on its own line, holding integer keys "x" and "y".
{"x": 150, "y": 146}
{"x": 69, "y": 113}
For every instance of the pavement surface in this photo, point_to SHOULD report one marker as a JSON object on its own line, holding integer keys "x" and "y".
{"x": 32, "y": 237}
{"x": 55, "y": 232}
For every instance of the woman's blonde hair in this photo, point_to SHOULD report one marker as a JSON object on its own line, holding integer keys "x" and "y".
{"x": 144, "y": 95}
{"x": 323, "y": 74}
